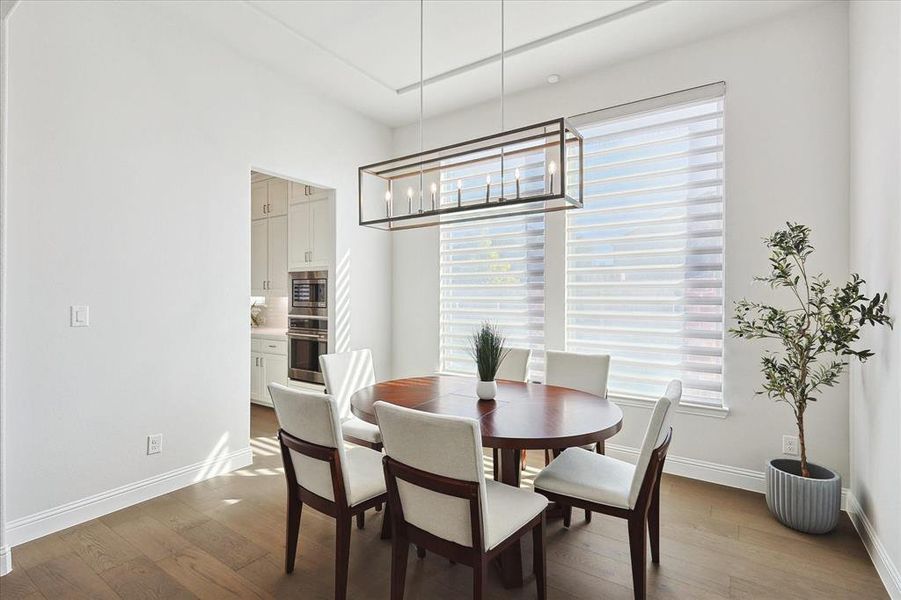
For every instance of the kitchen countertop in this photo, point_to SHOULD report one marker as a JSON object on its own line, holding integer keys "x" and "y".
{"x": 268, "y": 333}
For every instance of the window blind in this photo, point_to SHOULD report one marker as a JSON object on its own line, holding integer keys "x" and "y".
{"x": 492, "y": 269}
{"x": 644, "y": 263}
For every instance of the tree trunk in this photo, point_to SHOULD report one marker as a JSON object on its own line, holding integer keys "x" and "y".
{"x": 805, "y": 472}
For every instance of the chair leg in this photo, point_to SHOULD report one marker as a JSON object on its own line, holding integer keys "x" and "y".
{"x": 522, "y": 460}
{"x": 539, "y": 559}
{"x": 587, "y": 516}
{"x": 420, "y": 551}
{"x": 654, "y": 523}
{"x": 378, "y": 507}
{"x": 342, "y": 555}
{"x": 479, "y": 576}
{"x": 638, "y": 550}
{"x": 361, "y": 520}
{"x": 399, "y": 549}
{"x": 567, "y": 515}
{"x": 386, "y": 524}
{"x": 547, "y": 457}
{"x": 494, "y": 463}
{"x": 292, "y": 531}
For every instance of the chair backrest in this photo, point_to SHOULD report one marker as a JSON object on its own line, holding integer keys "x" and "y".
{"x": 655, "y": 435}
{"x": 515, "y": 366}
{"x": 312, "y": 418}
{"x": 344, "y": 374}
{"x": 583, "y": 372}
{"x": 442, "y": 446}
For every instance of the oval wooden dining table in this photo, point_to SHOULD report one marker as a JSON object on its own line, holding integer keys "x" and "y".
{"x": 522, "y": 416}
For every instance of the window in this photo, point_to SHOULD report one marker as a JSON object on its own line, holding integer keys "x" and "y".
{"x": 644, "y": 257}
{"x": 493, "y": 269}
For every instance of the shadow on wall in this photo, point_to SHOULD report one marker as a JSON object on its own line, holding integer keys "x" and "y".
{"x": 342, "y": 304}
{"x": 215, "y": 463}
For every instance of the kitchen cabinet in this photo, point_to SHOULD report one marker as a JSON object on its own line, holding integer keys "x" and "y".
{"x": 269, "y": 198}
{"x": 268, "y": 364}
{"x": 259, "y": 257}
{"x": 269, "y": 238}
{"x": 277, "y": 256}
{"x": 309, "y": 229}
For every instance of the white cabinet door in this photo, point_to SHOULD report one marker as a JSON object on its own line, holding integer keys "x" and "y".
{"x": 256, "y": 376}
{"x": 298, "y": 235}
{"x": 278, "y": 198}
{"x": 320, "y": 232}
{"x": 258, "y": 200}
{"x": 278, "y": 255}
{"x": 275, "y": 370}
{"x": 259, "y": 256}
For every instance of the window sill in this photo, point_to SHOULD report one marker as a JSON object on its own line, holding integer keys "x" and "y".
{"x": 687, "y": 408}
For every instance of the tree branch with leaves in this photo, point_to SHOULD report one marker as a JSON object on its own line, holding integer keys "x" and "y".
{"x": 817, "y": 332}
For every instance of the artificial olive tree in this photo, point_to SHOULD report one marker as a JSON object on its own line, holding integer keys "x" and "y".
{"x": 816, "y": 332}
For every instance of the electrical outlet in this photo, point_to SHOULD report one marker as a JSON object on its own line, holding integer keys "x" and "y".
{"x": 155, "y": 443}
{"x": 790, "y": 445}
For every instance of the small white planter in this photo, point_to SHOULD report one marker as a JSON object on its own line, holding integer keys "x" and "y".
{"x": 486, "y": 390}
{"x": 809, "y": 504}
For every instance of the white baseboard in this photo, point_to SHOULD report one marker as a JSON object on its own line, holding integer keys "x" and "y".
{"x": 55, "y": 519}
{"x": 888, "y": 571}
{"x": 737, "y": 477}
{"x": 6, "y": 560}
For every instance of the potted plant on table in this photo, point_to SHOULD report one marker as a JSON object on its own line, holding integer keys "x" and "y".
{"x": 816, "y": 334}
{"x": 487, "y": 348}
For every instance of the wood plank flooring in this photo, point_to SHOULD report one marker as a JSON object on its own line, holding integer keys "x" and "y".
{"x": 224, "y": 538}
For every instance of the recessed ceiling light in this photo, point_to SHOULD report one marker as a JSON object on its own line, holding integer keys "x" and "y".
{"x": 553, "y": 78}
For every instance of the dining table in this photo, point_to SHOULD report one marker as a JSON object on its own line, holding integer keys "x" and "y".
{"x": 522, "y": 416}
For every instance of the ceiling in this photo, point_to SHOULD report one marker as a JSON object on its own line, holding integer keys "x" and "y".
{"x": 365, "y": 54}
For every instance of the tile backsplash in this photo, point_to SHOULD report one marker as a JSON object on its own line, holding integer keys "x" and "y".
{"x": 275, "y": 310}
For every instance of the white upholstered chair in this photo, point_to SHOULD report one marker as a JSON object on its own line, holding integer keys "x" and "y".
{"x": 515, "y": 366}
{"x": 584, "y": 372}
{"x": 440, "y": 500}
{"x": 344, "y": 374}
{"x": 598, "y": 483}
{"x": 322, "y": 474}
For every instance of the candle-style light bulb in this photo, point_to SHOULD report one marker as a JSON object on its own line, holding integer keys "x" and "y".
{"x": 516, "y": 175}
{"x": 410, "y": 200}
{"x": 388, "y": 203}
{"x": 459, "y": 192}
{"x": 434, "y": 188}
{"x": 487, "y": 188}
{"x": 551, "y": 169}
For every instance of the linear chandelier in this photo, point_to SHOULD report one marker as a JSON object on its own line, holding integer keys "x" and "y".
{"x": 532, "y": 169}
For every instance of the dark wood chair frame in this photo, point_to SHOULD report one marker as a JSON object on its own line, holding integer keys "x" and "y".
{"x": 337, "y": 508}
{"x": 404, "y": 533}
{"x": 643, "y": 520}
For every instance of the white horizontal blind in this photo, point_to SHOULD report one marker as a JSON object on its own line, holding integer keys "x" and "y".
{"x": 492, "y": 269}
{"x": 645, "y": 255}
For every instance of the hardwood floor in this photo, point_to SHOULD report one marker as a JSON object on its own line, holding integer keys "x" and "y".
{"x": 224, "y": 538}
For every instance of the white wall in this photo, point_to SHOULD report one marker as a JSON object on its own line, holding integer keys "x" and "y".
{"x": 131, "y": 142}
{"x": 875, "y": 44}
{"x": 786, "y": 158}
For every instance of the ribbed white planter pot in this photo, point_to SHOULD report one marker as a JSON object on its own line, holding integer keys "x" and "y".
{"x": 809, "y": 504}
{"x": 486, "y": 390}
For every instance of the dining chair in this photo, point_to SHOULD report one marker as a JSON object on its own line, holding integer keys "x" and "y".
{"x": 584, "y": 372}
{"x": 440, "y": 500}
{"x": 595, "y": 482}
{"x": 344, "y": 374}
{"x": 323, "y": 475}
{"x": 514, "y": 367}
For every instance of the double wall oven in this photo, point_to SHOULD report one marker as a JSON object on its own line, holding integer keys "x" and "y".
{"x": 307, "y": 325}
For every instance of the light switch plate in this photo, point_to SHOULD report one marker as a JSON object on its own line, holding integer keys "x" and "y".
{"x": 79, "y": 316}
